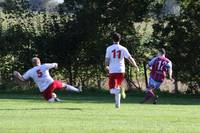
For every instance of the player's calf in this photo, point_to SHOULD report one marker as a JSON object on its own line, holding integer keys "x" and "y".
{"x": 150, "y": 94}
{"x": 72, "y": 88}
{"x": 123, "y": 93}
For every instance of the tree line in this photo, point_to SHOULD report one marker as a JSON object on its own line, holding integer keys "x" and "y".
{"x": 77, "y": 35}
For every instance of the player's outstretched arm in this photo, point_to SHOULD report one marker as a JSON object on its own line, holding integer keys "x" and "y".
{"x": 18, "y": 76}
{"x": 133, "y": 63}
{"x": 170, "y": 71}
{"x": 51, "y": 65}
{"x": 170, "y": 74}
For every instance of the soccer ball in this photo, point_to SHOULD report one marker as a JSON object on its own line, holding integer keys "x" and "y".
{"x": 54, "y": 95}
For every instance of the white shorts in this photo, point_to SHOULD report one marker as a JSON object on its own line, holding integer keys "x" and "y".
{"x": 154, "y": 84}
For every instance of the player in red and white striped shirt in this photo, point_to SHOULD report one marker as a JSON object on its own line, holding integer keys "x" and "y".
{"x": 46, "y": 84}
{"x": 114, "y": 61}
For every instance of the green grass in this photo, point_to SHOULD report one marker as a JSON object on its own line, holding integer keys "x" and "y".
{"x": 91, "y": 113}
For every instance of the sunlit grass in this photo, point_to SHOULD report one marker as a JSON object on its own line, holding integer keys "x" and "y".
{"x": 96, "y": 114}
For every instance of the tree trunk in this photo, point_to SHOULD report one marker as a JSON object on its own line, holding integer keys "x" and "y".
{"x": 176, "y": 86}
{"x": 70, "y": 75}
{"x": 99, "y": 81}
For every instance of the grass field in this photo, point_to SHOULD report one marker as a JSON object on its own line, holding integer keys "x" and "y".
{"x": 90, "y": 113}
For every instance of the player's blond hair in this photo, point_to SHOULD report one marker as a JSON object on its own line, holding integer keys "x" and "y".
{"x": 36, "y": 61}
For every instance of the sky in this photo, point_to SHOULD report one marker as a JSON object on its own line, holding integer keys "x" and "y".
{"x": 59, "y": 1}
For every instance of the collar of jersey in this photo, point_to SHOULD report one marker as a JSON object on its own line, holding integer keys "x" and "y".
{"x": 116, "y": 43}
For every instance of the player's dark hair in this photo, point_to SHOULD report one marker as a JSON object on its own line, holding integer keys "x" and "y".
{"x": 162, "y": 51}
{"x": 116, "y": 37}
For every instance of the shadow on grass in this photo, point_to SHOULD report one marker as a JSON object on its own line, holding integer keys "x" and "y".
{"x": 10, "y": 109}
{"x": 103, "y": 97}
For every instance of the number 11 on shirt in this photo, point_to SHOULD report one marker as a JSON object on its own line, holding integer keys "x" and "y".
{"x": 118, "y": 52}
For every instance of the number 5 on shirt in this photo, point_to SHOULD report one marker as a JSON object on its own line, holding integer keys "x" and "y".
{"x": 39, "y": 73}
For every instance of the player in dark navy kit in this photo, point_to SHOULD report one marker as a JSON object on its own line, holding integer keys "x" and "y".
{"x": 159, "y": 66}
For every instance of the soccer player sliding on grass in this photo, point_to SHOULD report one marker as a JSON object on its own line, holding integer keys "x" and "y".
{"x": 114, "y": 63}
{"x": 159, "y": 65}
{"x": 46, "y": 84}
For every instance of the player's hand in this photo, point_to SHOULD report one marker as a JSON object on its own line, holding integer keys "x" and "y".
{"x": 56, "y": 65}
{"x": 107, "y": 68}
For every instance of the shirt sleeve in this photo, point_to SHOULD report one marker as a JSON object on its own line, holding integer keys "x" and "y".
{"x": 27, "y": 75}
{"x": 126, "y": 53}
{"x": 51, "y": 65}
{"x": 151, "y": 62}
{"x": 169, "y": 65}
{"x": 107, "y": 53}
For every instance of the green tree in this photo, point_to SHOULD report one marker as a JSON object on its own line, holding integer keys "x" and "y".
{"x": 180, "y": 36}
